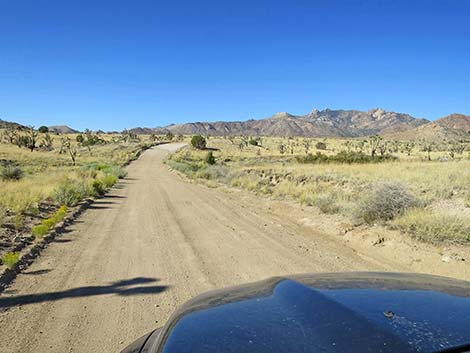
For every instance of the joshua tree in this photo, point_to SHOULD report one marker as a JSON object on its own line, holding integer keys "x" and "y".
{"x": 374, "y": 142}
{"x": 409, "y": 146}
{"x": 428, "y": 147}
{"x": 63, "y": 144}
{"x": 10, "y": 135}
{"x": 46, "y": 142}
{"x": 32, "y": 138}
{"x": 307, "y": 144}
{"x": 72, "y": 150}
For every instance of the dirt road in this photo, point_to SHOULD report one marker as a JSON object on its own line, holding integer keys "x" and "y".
{"x": 152, "y": 243}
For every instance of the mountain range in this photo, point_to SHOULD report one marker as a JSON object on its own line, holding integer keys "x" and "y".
{"x": 317, "y": 123}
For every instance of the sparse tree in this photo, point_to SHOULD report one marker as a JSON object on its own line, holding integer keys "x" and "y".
{"x": 43, "y": 129}
{"x": 199, "y": 142}
{"x": 80, "y": 139}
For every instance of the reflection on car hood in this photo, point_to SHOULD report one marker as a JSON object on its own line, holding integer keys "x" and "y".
{"x": 349, "y": 312}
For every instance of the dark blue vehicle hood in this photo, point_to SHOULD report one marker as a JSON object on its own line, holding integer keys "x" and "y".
{"x": 348, "y": 312}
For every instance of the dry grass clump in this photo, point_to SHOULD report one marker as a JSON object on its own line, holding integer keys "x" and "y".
{"x": 434, "y": 226}
{"x": 10, "y": 172}
{"x": 326, "y": 202}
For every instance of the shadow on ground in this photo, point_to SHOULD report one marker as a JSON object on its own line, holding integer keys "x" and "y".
{"x": 127, "y": 287}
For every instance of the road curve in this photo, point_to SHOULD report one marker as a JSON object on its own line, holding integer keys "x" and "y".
{"x": 154, "y": 242}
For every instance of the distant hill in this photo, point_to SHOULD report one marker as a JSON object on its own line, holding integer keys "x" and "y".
{"x": 451, "y": 127}
{"x": 62, "y": 129}
{"x": 318, "y": 123}
{"x": 8, "y": 124}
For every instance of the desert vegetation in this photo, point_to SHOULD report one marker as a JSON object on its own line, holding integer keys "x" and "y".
{"x": 419, "y": 187}
{"x": 42, "y": 173}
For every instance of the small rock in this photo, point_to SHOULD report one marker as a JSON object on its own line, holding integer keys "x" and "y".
{"x": 445, "y": 258}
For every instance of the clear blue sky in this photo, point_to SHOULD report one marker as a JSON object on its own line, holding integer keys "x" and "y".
{"x": 116, "y": 64}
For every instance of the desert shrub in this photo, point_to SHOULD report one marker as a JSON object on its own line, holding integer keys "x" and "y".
{"x": 434, "y": 226}
{"x": 253, "y": 142}
{"x": 384, "y": 201}
{"x": 109, "y": 180}
{"x": 199, "y": 142}
{"x": 10, "y": 259}
{"x": 327, "y": 203}
{"x": 209, "y": 159}
{"x": 11, "y": 172}
{"x": 320, "y": 146}
{"x": 39, "y": 230}
{"x": 70, "y": 193}
{"x": 119, "y": 172}
{"x": 188, "y": 168}
{"x": 344, "y": 157}
{"x": 80, "y": 138}
{"x": 43, "y": 129}
{"x": 213, "y": 172}
{"x": 49, "y": 223}
{"x": 98, "y": 187}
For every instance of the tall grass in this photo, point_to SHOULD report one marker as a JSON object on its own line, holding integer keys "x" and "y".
{"x": 434, "y": 226}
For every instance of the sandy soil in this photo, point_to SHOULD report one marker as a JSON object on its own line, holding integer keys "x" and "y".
{"x": 156, "y": 241}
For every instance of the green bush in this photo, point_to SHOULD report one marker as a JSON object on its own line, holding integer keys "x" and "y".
{"x": 344, "y": 157}
{"x": 98, "y": 187}
{"x": 254, "y": 142}
{"x": 39, "y": 230}
{"x": 11, "y": 172}
{"x": 187, "y": 168}
{"x": 10, "y": 259}
{"x": 61, "y": 212}
{"x": 49, "y": 223}
{"x": 109, "y": 180}
{"x": 199, "y": 142}
{"x": 320, "y": 146}
{"x": 384, "y": 201}
{"x": 209, "y": 159}
{"x": 70, "y": 193}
